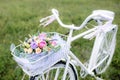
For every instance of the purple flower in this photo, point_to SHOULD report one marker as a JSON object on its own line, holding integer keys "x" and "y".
{"x": 33, "y": 45}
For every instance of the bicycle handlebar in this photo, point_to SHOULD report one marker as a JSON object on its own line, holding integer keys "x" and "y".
{"x": 96, "y": 15}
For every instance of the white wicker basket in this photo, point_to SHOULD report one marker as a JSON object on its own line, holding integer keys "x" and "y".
{"x": 36, "y": 63}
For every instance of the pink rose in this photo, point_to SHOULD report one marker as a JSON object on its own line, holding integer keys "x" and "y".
{"x": 42, "y": 44}
{"x": 53, "y": 43}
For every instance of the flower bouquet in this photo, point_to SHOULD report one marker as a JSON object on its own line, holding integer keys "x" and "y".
{"x": 37, "y": 45}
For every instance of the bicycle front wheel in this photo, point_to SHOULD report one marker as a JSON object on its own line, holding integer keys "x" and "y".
{"x": 56, "y": 73}
{"x": 106, "y": 50}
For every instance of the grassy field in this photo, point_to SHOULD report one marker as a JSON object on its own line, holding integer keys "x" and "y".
{"x": 18, "y": 18}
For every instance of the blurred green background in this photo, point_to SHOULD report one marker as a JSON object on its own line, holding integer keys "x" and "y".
{"x": 18, "y": 18}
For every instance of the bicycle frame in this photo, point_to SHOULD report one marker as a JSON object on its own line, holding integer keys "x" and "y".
{"x": 97, "y": 15}
{"x": 94, "y": 52}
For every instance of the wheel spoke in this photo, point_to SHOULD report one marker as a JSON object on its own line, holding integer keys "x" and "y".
{"x": 43, "y": 77}
{"x": 57, "y": 74}
{"x": 47, "y": 75}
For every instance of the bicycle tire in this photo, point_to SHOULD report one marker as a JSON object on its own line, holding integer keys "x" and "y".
{"x": 50, "y": 74}
{"x": 106, "y": 51}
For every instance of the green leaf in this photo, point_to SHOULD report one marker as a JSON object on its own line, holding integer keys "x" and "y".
{"x": 57, "y": 48}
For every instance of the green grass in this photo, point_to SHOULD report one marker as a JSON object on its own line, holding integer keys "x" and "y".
{"x": 18, "y": 18}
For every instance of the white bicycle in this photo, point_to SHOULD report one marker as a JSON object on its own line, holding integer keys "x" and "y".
{"x": 101, "y": 55}
{"x": 102, "y": 52}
